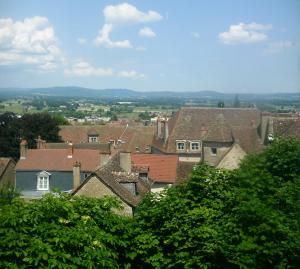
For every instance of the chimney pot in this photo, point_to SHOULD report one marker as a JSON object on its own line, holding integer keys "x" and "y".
{"x": 166, "y": 132}
{"x": 76, "y": 174}
{"x": 23, "y": 149}
{"x": 125, "y": 161}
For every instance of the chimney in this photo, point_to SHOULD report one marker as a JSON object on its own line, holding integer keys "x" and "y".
{"x": 76, "y": 174}
{"x": 40, "y": 143}
{"x": 70, "y": 150}
{"x": 23, "y": 149}
{"x": 166, "y": 132}
{"x": 125, "y": 161}
{"x": 104, "y": 158}
{"x": 158, "y": 133}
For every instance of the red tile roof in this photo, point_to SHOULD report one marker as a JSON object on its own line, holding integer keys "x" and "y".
{"x": 57, "y": 160}
{"x": 162, "y": 168}
{"x": 132, "y": 136}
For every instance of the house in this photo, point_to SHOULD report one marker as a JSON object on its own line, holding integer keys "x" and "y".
{"x": 284, "y": 127}
{"x": 133, "y": 138}
{"x": 209, "y": 134}
{"x": 55, "y": 166}
{"x": 116, "y": 178}
{"x": 158, "y": 169}
{"x": 7, "y": 172}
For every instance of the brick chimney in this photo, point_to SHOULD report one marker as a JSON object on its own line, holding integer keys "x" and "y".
{"x": 158, "y": 131}
{"x": 166, "y": 130}
{"x": 125, "y": 161}
{"x": 40, "y": 143}
{"x": 76, "y": 174}
{"x": 70, "y": 150}
{"x": 23, "y": 149}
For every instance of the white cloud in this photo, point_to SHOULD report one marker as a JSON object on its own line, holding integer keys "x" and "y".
{"x": 195, "y": 35}
{"x": 147, "y": 32}
{"x": 276, "y": 47}
{"x": 104, "y": 39}
{"x": 128, "y": 14}
{"x": 245, "y": 33}
{"x": 81, "y": 41}
{"x": 84, "y": 69}
{"x": 130, "y": 74}
{"x": 31, "y": 41}
{"x": 120, "y": 15}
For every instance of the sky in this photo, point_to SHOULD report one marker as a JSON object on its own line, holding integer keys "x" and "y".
{"x": 232, "y": 46}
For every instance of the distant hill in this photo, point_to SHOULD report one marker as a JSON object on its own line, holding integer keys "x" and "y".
{"x": 80, "y": 92}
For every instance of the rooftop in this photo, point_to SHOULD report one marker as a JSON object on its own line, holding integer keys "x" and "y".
{"x": 57, "y": 160}
{"x": 162, "y": 168}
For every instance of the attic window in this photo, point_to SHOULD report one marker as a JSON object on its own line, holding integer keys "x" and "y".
{"x": 195, "y": 146}
{"x": 93, "y": 139}
{"x": 213, "y": 151}
{"x": 181, "y": 145}
{"x": 43, "y": 181}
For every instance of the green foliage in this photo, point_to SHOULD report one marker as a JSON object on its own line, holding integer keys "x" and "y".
{"x": 246, "y": 218}
{"x": 29, "y": 127}
{"x": 221, "y": 104}
{"x": 7, "y": 194}
{"x": 43, "y": 124}
{"x": 145, "y": 116}
{"x": 182, "y": 225}
{"x": 236, "y": 101}
{"x": 266, "y": 210}
{"x": 62, "y": 232}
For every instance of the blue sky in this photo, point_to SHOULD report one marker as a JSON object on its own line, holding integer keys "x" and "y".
{"x": 228, "y": 46}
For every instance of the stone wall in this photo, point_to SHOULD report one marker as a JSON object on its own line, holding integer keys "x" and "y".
{"x": 97, "y": 189}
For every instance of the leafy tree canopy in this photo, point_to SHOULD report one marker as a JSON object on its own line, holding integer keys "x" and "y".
{"x": 62, "y": 232}
{"x": 246, "y": 218}
{"x": 29, "y": 127}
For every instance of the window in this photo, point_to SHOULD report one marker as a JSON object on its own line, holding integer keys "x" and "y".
{"x": 195, "y": 146}
{"x": 180, "y": 145}
{"x": 93, "y": 139}
{"x": 43, "y": 181}
{"x": 213, "y": 151}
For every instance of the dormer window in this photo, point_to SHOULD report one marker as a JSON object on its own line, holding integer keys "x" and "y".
{"x": 180, "y": 145}
{"x": 43, "y": 181}
{"x": 195, "y": 146}
{"x": 93, "y": 139}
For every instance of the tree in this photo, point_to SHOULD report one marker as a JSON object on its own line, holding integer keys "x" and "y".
{"x": 63, "y": 232}
{"x": 221, "y": 104}
{"x": 236, "y": 101}
{"x": 247, "y": 218}
{"x": 43, "y": 124}
{"x": 29, "y": 127}
{"x": 145, "y": 115}
{"x": 180, "y": 228}
{"x": 265, "y": 216}
{"x": 9, "y": 135}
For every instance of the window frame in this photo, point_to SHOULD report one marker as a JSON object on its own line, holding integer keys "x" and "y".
{"x": 93, "y": 139}
{"x": 180, "y": 142}
{"x": 195, "y": 142}
{"x": 212, "y": 149}
{"x": 43, "y": 181}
